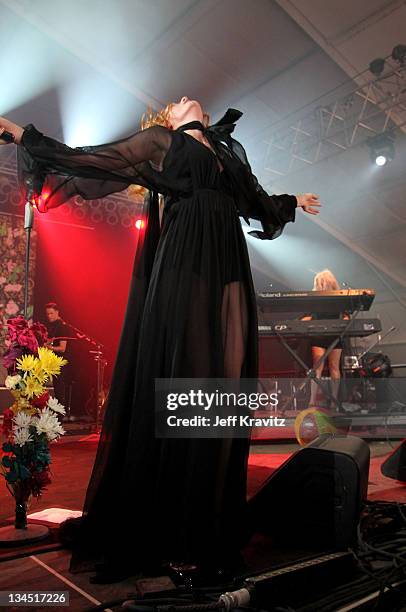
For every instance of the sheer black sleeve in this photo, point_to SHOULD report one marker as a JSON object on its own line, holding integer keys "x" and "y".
{"x": 273, "y": 211}
{"x": 59, "y": 172}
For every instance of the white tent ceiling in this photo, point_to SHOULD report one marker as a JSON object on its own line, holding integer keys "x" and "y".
{"x": 84, "y": 70}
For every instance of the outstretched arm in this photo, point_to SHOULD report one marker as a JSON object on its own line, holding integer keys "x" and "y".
{"x": 91, "y": 172}
{"x": 273, "y": 211}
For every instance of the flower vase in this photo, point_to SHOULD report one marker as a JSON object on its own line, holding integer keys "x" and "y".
{"x": 21, "y": 532}
{"x": 20, "y": 521}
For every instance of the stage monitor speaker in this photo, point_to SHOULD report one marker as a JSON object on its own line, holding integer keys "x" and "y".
{"x": 275, "y": 361}
{"x": 314, "y": 499}
{"x": 395, "y": 465}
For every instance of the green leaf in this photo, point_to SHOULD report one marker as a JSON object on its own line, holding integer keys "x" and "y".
{"x": 6, "y": 461}
{"x": 24, "y": 472}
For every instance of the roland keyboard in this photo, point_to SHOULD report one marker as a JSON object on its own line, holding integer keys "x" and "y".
{"x": 323, "y": 327}
{"x": 342, "y": 300}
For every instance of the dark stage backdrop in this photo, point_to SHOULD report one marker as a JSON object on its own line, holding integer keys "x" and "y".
{"x": 86, "y": 270}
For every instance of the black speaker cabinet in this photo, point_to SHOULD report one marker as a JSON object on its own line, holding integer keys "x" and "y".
{"x": 274, "y": 359}
{"x": 315, "y": 498}
{"x": 395, "y": 465}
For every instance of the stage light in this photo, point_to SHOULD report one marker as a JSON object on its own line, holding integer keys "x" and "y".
{"x": 86, "y": 123}
{"x": 39, "y": 201}
{"x": 380, "y": 160}
{"x": 382, "y": 148}
{"x": 376, "y": 66}
{"x": 140, "y": 224}
{"x": 399, "y": 54}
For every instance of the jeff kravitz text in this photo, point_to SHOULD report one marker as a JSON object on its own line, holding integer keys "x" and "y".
{"x": 230, "y": 421}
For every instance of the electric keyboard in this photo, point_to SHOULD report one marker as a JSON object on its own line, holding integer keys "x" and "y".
{"x": 322, "y": 327}
{"x": 342, "y": 300}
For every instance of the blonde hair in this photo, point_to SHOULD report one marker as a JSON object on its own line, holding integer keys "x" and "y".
{"x": 325, "y": 281}
{"x": 148, "y": 119}
{"x": 161, "y": 117}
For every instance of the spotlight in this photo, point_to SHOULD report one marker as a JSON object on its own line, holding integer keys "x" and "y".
{"x": 139, "y": 224}
{"x": 377, "y": 66}
{"x": 381, "y": 160}
{"x": 399, "y": 54}
{"x": 382, "y": 148}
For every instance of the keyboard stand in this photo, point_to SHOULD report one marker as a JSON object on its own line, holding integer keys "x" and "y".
{"x": 311, "y": 372}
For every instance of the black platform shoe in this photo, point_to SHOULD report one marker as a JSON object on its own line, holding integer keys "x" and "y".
{"x": 197, "y": 575}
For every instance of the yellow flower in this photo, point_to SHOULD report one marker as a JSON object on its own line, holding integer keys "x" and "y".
{"x": 40, "y": 373}
{"x": 22, "y": 404}
{"x": 50, "y": 363}
{"x": 33, "y": 387}
{"x": 27, "y": 363}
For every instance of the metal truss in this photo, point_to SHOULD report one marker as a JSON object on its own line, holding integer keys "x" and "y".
{"x": 375, "y": 107}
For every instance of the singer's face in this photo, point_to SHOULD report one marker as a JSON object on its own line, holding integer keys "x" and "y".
{"x": 52, "y": 314}
{"x": 184, "y": 111}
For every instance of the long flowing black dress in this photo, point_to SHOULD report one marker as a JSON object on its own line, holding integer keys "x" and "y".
{"x": 191, "y": 313}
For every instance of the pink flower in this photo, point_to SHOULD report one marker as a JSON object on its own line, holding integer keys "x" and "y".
{"x": 15, "y": 326}
{"x": 12, "y": 288}
{"x": 17, "y": 322}
{"x": 41, "y": 333}
{"x": 12, "y": 308}
{"x": 10, "y": 357}
{"x": 27, "y": 338}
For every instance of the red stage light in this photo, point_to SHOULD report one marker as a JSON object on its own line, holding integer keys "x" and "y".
{"x": 140, "y": 224}
{"x": 40, "y": 201}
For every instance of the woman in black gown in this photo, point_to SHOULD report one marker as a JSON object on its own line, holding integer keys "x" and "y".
{"x": 191, "y": 313}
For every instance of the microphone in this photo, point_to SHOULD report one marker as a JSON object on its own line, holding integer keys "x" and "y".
{"x": 28, "y": 215}
{"x": 7, "y": 137}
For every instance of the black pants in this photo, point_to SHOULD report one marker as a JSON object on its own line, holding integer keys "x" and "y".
{"x": 62, "y": 388}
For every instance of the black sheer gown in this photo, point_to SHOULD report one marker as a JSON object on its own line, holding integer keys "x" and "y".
{"x": 191, "y": 313}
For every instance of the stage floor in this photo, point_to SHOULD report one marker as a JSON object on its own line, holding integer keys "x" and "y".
{"x": 46, "y": 567}
{"x": 73, "y": 456}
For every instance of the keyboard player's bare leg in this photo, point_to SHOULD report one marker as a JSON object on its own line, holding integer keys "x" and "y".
{"x": 334, "y": 371}
{"x": 333, "y": 361}
{"x": 317, "y": 354}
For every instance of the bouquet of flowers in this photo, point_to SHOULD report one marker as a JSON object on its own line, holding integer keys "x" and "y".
{"x": 32, "y": 422}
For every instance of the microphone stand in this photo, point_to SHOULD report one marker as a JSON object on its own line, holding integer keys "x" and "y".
{"x": 98, "y": 358}
{"x": 28, "y": 225}
{"x": 379, "y": 339}
{"x": 81, "y": 335}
